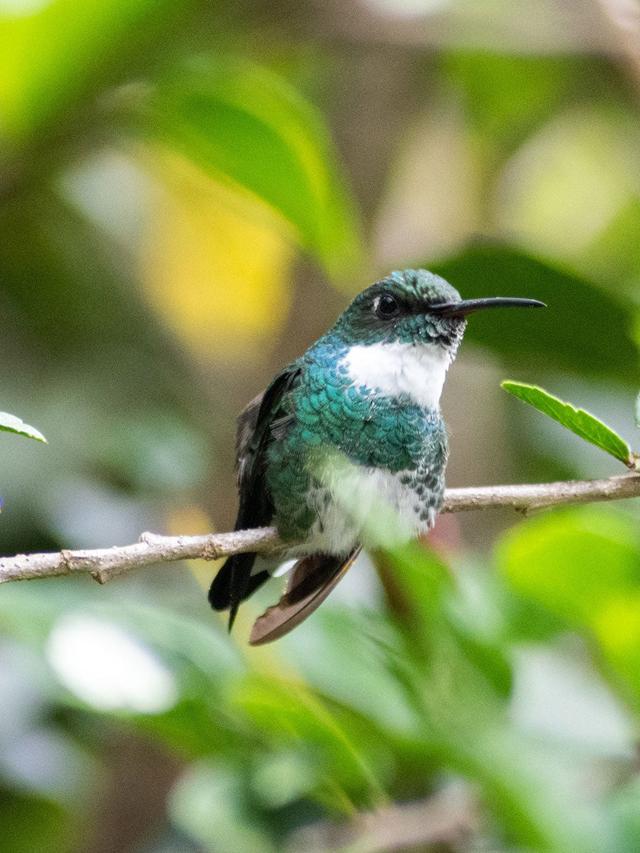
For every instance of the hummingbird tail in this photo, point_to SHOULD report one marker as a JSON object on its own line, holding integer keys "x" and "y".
{"x": 233, "y": 583}
{"x": 310, "y": 582}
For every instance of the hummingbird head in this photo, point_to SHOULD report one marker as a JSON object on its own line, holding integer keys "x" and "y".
{"x": 414, "y": 307}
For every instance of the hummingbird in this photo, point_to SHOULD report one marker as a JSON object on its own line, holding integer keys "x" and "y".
{"x": 363, "y": 399}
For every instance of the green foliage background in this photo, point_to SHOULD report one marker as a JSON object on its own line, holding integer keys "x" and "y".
{"x": 189, "y": 192}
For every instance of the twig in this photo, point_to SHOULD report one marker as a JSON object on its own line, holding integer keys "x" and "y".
{"x": 103, "y": 564}
{"x": 529, "y": 497}
{"x": 446, "y": 818}
{"x": 623, "y": 19}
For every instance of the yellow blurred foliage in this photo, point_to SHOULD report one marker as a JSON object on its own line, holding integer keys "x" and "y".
{"x": 617, "y": 627}
{"x": 215, "y": 264}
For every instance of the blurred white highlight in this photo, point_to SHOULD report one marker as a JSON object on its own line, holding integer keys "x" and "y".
{"x": 20, "y": 8}
{"x": 109, "y": 668}
{"x": 407, "y": 8}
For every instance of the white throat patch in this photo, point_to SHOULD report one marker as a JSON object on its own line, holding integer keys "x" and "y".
{"x": 417, "y": 370}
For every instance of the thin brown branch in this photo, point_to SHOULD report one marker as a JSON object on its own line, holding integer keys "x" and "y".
{"x": 622, "y": 17}
{"x": 103, "y": 564}
{"x": 529, "y": 497}
{"x": 448, "y": 817}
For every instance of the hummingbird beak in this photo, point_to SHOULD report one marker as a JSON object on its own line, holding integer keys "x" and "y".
{"x": 468, "y": 306}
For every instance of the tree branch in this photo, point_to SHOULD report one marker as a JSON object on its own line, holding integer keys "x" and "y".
{"x": 623, "y": 20}
{"x": 448, "y": 818}
{"x": 529, "y": 497}
{"x": 103, "y": 564}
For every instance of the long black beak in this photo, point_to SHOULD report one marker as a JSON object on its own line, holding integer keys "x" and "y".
{"x": 468, "y": 306}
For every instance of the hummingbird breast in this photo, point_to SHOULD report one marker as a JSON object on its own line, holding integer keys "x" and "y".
{"x": 416, "y": 370}
{"x": 388, "y": 451}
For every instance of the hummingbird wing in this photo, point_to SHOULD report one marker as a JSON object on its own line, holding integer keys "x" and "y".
{"x": 259, "y": 424}
{"x": 311, "y": 581}
{"x": 256, "y": 425}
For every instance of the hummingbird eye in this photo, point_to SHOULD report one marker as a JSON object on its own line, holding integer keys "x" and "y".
{"x": 386, "y": 307}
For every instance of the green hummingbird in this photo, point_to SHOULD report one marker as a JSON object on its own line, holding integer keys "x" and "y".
{"x": 363, "y": 400}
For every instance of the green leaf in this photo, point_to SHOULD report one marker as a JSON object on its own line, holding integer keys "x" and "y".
{"x": 580, "y": 422}
{"x": 10, "y": 423}
{"x": 248, "y": 127}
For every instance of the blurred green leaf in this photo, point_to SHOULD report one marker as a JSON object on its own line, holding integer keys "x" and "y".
{"x": 244, "y": 125}
{"x": 429, "y": 604}
{"x": 572, "y": 562}
{"x": 624, "y": 805}
{"x": 493, "y": 83}
{"x": 280, "y": 778}
{"x": 289, "y": 712}
{"x": 423, "y": 578}
{"x": 151, "y": 450}
{"x": 569, "y": 335}
{"x": 614, "y": 256}
{"x": 341, "y": 678}
{"x": 31, "y": 824}
{"x": 61, "y": 51}
{"x": 86, "y": 298}
{"x": 584, "y": 567}
{"x": 473, "y": 737}
{"x": 207, "y": 804}
{"x": 11, "y": 423}
{"x": 578, "y": 421}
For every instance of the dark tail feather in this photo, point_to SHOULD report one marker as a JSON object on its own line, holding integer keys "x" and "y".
{"x": 310, "y": 582}
{"x": 234, "y": 583}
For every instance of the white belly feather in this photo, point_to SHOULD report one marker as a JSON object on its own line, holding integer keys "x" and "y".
{"x": 366, "y": 504}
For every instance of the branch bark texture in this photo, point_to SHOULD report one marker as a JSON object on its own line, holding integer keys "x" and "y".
{"x": 103, "y": 564}
{"x": 623, "y": 20}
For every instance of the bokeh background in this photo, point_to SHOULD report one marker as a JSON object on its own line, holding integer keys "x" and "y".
{"x": 190, "y": 193}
